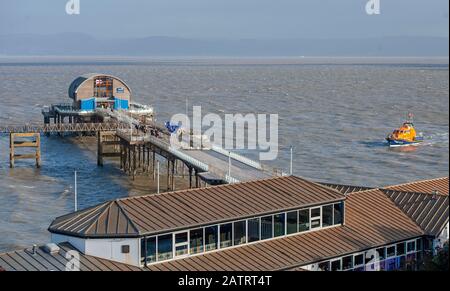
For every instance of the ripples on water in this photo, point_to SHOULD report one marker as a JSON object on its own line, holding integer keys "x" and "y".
{"x": 336, "y": 116}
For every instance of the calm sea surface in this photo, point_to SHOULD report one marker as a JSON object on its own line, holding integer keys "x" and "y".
{"x": 335, "y": 112}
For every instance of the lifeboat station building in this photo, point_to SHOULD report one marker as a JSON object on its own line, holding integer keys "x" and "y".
{"x": 284, "y": 223}
{"x": 92, "y": 91}
{"x": 94, "y": 97}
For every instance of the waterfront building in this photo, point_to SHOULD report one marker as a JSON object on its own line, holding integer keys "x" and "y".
{"x": 284, "y": 223}
{"x": 94, "y": 97}
{"x": 92, "y": 91}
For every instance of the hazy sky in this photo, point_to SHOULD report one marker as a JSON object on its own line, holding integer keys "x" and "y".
{"x": 227, "y": 18}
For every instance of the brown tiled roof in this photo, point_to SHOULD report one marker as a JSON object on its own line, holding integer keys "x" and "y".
{"x": 153, "y": 214}
{"x": 426, "y": 186}
{"x": 428, "y": 211}
{"x": 25, "y": 260}
{"x": 108, "y": 218}
{"x": 372, "y": 220}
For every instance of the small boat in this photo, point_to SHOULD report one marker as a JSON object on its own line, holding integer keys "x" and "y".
{"x": 406, "y": 135}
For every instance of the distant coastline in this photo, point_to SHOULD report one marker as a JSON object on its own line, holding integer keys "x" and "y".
{"x": 222, "y": 60}
{"x": 81, "y": 44}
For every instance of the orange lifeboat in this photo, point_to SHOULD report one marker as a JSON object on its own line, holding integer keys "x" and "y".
{"x": 405, "y": 135}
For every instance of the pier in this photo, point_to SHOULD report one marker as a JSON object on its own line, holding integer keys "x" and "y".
{"x": 128, "y": 132}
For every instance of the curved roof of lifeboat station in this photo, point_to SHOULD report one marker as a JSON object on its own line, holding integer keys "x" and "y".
{"x": 73, "y": 88}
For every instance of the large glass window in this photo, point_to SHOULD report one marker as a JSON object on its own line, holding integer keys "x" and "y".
{"x": 324, "y": 266}
{"x": 338, "y": 213}
{"x": 148, "y": 248}
{"x": 292, "y": 222}
{"x": 336, "y": 266}
{"x": 390, "y": 251}
{"x": 279, "y": 224}
{"x": 253, "y": 230}
{"x": 316, "y": 217}
{"x": 103, "y": 87}
{"x": 347, "y": 263}
{"x": 165, "y": 248}
{"x": 226, "y": 235}
{"x": 239, "y": 233}
{"x": 196, "y": 241}
{"x": 381, "y": 252}
{"x": 303, "y": 220}
{"x": 211, "y": 238}
{"x": 419, "y": 244}
{"x": 400, "y": 249}
{"x": 411, "y": 246}
{"x": 359, "y": 260}
{"x": 327, "y": 215}
{"x": 266, "y": 227}
{"x": 181, "y": 244}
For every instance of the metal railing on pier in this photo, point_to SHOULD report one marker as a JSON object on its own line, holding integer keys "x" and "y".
{"x": 62, "y": 128}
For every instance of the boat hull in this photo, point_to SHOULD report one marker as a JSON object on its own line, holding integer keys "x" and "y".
{"x": 401, "y": 143}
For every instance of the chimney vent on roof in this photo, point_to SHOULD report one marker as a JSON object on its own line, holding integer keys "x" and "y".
{"x": 51, "y": 248}
{"x": 435, "y": 195}
{"x": 33, "y": 251}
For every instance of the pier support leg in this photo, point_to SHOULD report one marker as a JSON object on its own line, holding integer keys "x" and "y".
{"x": 190, "y": 177}
{"x": 134, "y": 162}
{"x": 197, "y": 184}
{"x": 153, "y": 165}
{"x": 11, "y": 150}
{"x": 173, "y": 175}
{"x": 99, "y": 149}
{"x": 38, "y": 150}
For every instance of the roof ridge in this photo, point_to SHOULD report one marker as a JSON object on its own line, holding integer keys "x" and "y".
{"x": 107, "y": 205}
{"x": 412, "y": 192}
{"x": 125, "y": 213}
{"x": 196, "y": 189}
{"x": 416, "y": 182}
{"x": 363, "y": 191}
{"x": 72, "y": 216}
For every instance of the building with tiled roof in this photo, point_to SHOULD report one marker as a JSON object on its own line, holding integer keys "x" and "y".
{"x": 285, "y": 223}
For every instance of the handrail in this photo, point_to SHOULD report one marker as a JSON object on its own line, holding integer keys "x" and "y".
{"x": 237, "y": 157}
{"x": 189, "y": 159}
{"x": 231, "y": 180}
{"x": 62, "y": 127}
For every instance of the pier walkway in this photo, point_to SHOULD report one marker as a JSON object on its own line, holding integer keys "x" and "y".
{"x": 212, "y": 163}
{"x": 133, "y": 141}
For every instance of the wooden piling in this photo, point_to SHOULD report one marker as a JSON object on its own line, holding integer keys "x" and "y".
{"x": 27, "y": 140}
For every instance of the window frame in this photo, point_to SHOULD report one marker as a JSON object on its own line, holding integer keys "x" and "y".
{"x": 311, "y": 218}
{"x": 297, "y": 227}
{"x": 395, "y": 251}
{"x": 284, "y": 224}
{"x": 340, "y": 264}
{"x": 272, "y": 228}
{"x": 232, "y": 235}
{"x": 363, "y": 260}
{"x": 175, "y": 244}
{"x": 203, "y": 240}
{"x": 245, "y": 232}
{"x": 217, "y": 237}
{"x": 414, "y": 241}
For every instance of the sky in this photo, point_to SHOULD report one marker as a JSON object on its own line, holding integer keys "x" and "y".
{"x": 230, "y": 19}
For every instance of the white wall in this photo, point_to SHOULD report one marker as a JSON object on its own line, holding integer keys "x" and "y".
{"x": 110, "y": 249}
{"x": 78, "y": 243}
{"x": 441, "y": 239}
